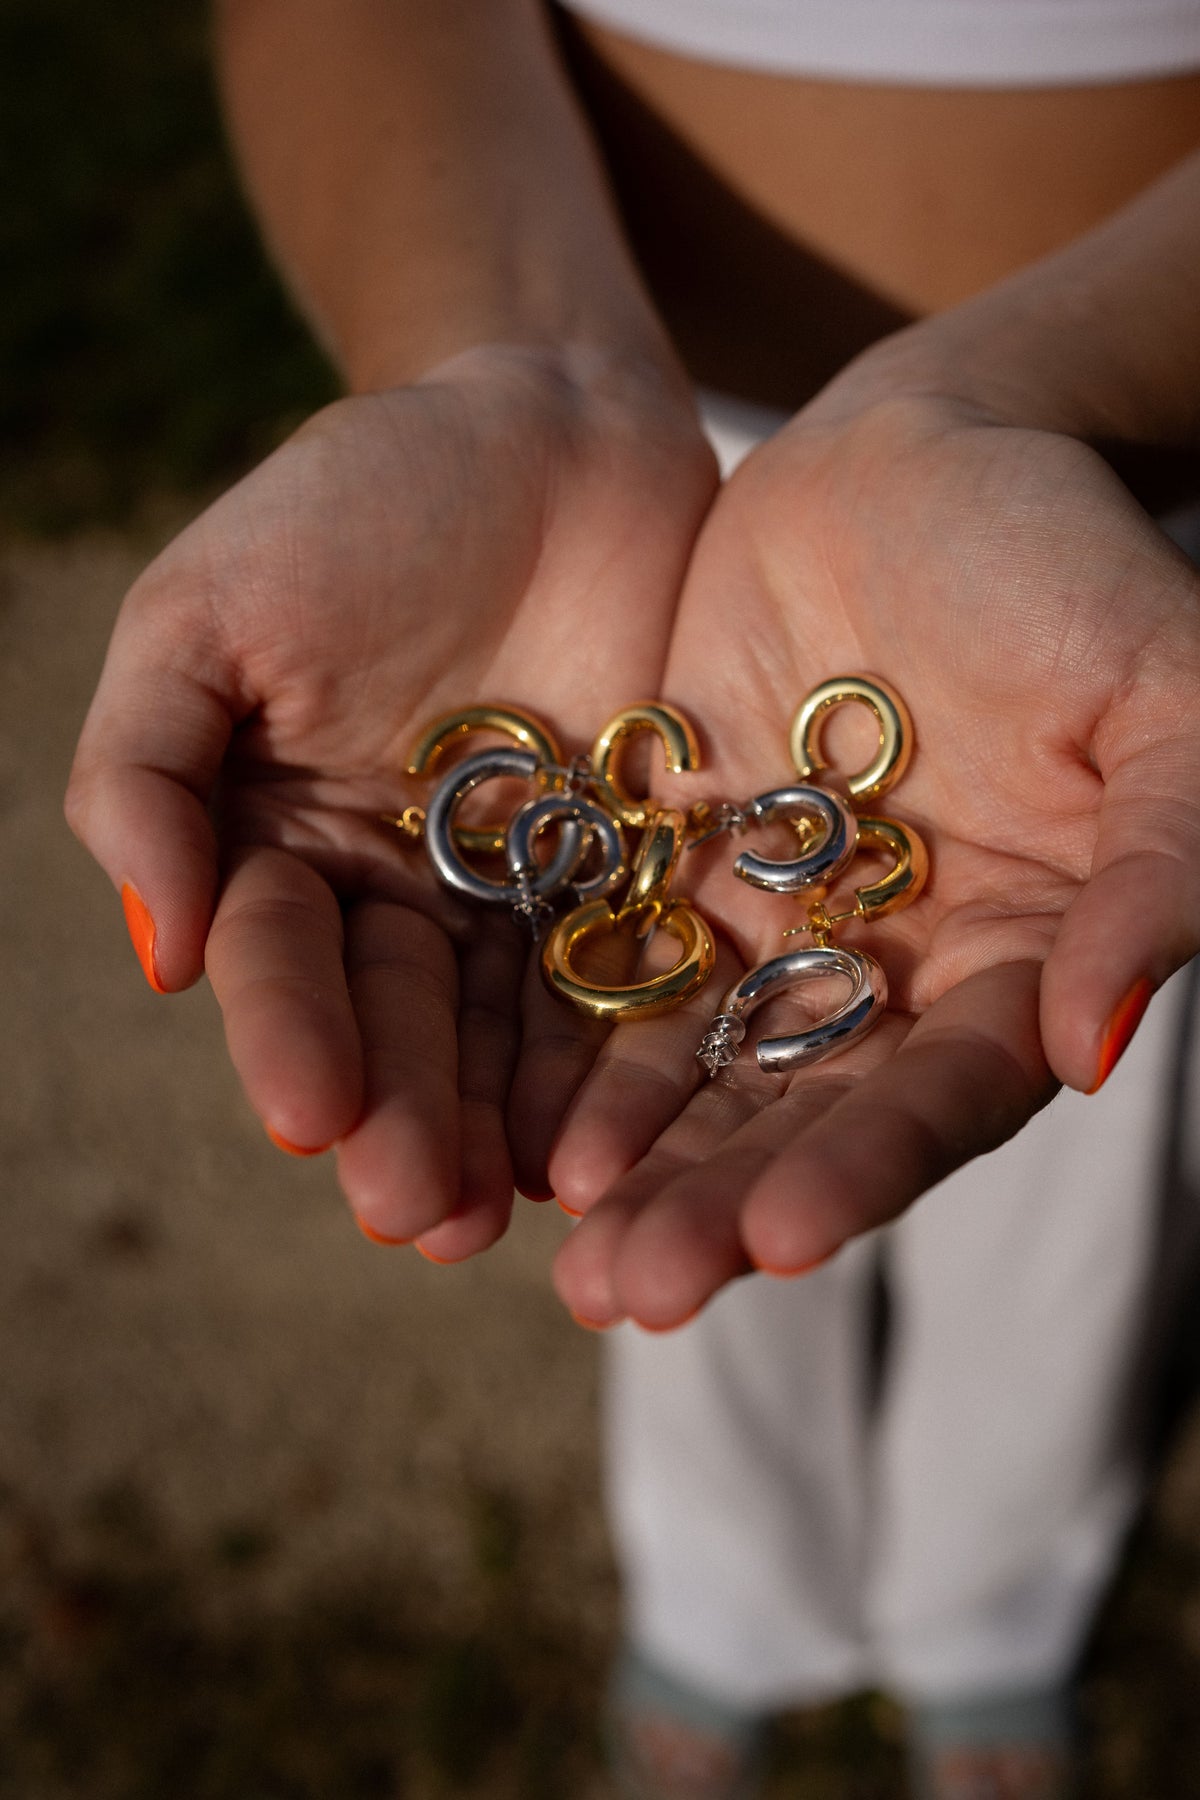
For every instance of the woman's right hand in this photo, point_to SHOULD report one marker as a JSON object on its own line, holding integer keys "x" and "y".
{"x": 513, "y": 527}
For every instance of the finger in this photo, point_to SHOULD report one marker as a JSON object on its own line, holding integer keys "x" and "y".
{"x": 558, "y": 1047}
{"x": 473, "y": 1226}
{"x": 598, "y": 1280}
{"x": 399, "y": 1167}
{"x": 965, "y": 1079}
{"x": 783, "y": 1181}
{"x": 490, "y": 971}
{"x": 643, "y": 1077}
{"x": 274, "y": 958}
{"x": 147, "y": 760}
{"x": 1137, "y": 919}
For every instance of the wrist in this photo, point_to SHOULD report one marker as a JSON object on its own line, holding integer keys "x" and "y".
{"x": 1095, "y": 341}
{"x": 644, "y": 402}
{"x": 988, "y": 378}
{"x": 948, "y": 373}
{"x": 585, "y": 352}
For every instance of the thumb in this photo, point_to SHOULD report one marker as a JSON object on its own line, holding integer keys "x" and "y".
{"x": 147, "y": 760}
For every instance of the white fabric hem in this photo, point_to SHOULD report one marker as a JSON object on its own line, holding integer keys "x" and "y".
{"x": 925, "y": 43}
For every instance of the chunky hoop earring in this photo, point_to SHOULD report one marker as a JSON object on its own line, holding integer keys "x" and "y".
{"x": 837, "y": 839}
{"x": 647, "y": 906}
{"x": 534, "y": 882}
{"x": 876, "y": 899}
{"x": 828, "y": 1037}
{"x": 680, "y": 748}
{"x": 895, "y": 733}
{"x": 513, "y": 722}
{"x": 443, "y": 842}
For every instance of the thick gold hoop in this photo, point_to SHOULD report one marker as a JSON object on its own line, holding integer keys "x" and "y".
{"x": 680, "y": 748}
{"x": 895, "y": 733}
{"x": 904, "y": 881}
{"x": 647, "y": 904}
{"x": 653, "y": 871}
{"x": 893, "y": 891}
{"x": 510, "y": 721}
{"x": 637, "y": 999}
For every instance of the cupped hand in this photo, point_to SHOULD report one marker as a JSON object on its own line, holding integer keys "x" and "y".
{"x": 1046, "y": 636}
{"x": 513, "y": 528}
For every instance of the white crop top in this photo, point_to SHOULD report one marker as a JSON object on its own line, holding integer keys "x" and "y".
{"x": 928, "y": 43}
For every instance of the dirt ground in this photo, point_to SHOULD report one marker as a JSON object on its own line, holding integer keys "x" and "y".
{"x": 283, "y": 1514}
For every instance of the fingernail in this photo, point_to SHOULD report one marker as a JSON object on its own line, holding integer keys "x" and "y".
{"x": 804, "y": 1268}
{"x": 569, "y": 1210}
{"x": 443, "y": 1262}
{"x": 377, "y": 1237}
{"x": 141, "y": 932}
{"x": 1120, "y": 1028}
{"x": 594, "y": 1324}
{"x": 282, "y": 1143}
{"x": 675, "y": 1325}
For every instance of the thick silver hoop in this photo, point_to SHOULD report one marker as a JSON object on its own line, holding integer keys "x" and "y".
{"x": 838, "y": 835}
{"x": 828, "y": 1037}
{"x": 600, "y": 829}
{"x": 447, "y": 858}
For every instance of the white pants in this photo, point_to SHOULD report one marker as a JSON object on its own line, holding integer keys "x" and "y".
{"x": 791, "y": 1529}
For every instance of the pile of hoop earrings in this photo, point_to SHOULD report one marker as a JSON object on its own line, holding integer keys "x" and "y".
{"x": 613, "y": 860}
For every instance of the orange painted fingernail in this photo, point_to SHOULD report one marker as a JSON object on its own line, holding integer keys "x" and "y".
{"x": 1126, "y": 1018}
{"x": 569, "y": 1210}
{"x": 804, "y": 1268}
{"x": 594, "y": 1324}
{"x": 443, "y": 1262}
{"x": 377, "y": 1237}
{"x": 675, "y": 1325}
{"x": 141, "y": 932}
{"x": 282, "y": 1143}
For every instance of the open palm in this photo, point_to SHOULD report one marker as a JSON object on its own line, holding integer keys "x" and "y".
{"x": 498, "y": 532}
{"x": 1046, "y": 637}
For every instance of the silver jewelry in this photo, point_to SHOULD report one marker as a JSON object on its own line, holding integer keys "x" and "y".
{"x": 535, "y": 883}
{"x": 444, "y": 853}
{"x": 828, "y": 1037}
{"x": 827, "y": 857}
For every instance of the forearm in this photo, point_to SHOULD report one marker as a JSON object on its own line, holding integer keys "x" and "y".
{"x": 426, "y": 183}
{"x": 1100, "y": 340}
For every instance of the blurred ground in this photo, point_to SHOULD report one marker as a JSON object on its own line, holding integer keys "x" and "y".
{"x": 276, "y": 1504}
{"x": 282, "y": 1514}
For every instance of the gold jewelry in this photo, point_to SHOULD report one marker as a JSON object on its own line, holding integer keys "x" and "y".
{"x": 680, "y": 748}
{"x": 647, "y": 906}
{"x": 510, "y": 721}
{"x": 895, "y": 733}
{"x": 864, "y": 1003}
{"x": 875, "y": 899}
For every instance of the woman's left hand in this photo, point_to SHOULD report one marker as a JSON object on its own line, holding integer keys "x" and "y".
{"x": 1046, "y": 636}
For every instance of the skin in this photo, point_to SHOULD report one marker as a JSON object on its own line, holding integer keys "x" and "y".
{"x": 275, "y": 667}
{"x": 510, "y": 507}
{"x": 427, "y": 182}
{"x": 925, "y": 196}
{"x": 1045, "y": 779}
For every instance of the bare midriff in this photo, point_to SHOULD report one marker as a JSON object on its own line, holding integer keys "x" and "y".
{"x": 899, "y": 199}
